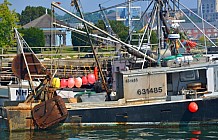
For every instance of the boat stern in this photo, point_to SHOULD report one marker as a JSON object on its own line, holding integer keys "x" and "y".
{"x": 16, "y": 118}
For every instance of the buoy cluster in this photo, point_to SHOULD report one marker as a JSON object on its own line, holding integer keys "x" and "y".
{"x": 73, "y": 82}
{"x": 87, "y": 79}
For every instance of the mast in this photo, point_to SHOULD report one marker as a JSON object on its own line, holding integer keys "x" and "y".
{"x": 158, "y": 30}
{"x": 106, "y": 21}
{"x": 201, "y": 12}
{"x": 129, "y": 21}
{"x": 93, "y": 49}
{"x": 129, "y": 47}
{"x": 199, "y": 7}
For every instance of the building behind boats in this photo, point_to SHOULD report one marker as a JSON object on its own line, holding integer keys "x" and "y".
{"x": 59, "y": 35}
{"x": 209, "y": 8}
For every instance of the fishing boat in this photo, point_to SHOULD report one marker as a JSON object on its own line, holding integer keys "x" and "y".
{"x": 175, "y": 90}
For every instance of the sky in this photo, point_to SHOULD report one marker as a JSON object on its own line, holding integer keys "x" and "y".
{"x": 87, "y": 5}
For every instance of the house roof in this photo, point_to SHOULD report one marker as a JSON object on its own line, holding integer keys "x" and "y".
{"x": 43, "y": 21}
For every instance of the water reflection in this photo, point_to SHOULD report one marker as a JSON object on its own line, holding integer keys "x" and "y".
{"x": 189, "y": 133}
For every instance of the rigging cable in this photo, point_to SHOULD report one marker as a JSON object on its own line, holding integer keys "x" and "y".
{"x": 205, "y": 42}
{"x": 140, "y": 19}
{"x": 114, "y": 6}
{"x": 196, "y": 25}
{"x": 105, "y": 2}
{"x": 147, "y": 25}
{"x": 153, "y": 14}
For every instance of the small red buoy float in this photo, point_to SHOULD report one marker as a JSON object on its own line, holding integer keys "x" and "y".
{"x": 196, "y": 132}
{"x": 64, "y": 83}
{"x": 91, "y": 78}
{"x": 84, "y": 80}
{"x": 193, "y": 107}
{"x": 71, "y": 82}
{"x": 78, "y": 82}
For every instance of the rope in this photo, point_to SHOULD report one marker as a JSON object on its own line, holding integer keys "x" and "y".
{"x": 71, "y": 68}
{"x": 65, "y": 71}
{"x": 90, "y": 69}
{"x": 139, "y": 20}
{"x": 85, "y": 73}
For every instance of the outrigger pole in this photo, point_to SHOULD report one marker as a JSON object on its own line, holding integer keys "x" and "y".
{"x": 82, "y": 32}
{"x": 128, "y": 46}
{"x": 93, "y": 50}
{"x": 27, "y": 67}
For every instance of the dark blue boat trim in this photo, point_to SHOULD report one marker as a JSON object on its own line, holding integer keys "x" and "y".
{"x": 161, "y": 113}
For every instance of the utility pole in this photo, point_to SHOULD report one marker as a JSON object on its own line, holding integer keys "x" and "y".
{"x": 158, "y": 31}
{"x": 129, "y": 20}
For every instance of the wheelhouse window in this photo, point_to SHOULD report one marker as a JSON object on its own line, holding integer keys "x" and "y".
{"x": 189, "y": 75}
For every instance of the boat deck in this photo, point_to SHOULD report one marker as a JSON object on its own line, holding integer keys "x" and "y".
{"x": 109, "y": 104}
{"x": 89, "y": 105}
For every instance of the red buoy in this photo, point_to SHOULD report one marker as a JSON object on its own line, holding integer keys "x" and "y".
{"x": 193, "y": 107}
{"x": 91, "y": 78}
{"x": 71, "y": 82}
{"x": 194, "y": 139}
{"x": 96, "y": 73}
{"x": 84, "y": 80}
{"x": 78, "y": 82}
{"x": 64, "y": 83}
{"x": 196, "y": 132}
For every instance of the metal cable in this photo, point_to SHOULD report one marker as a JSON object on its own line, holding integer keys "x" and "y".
{"x": 121, "y": 4}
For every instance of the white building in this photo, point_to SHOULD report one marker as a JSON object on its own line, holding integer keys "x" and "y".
{"x": 209, "y": 9}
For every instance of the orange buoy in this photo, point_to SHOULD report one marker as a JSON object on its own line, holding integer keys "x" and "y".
{"x": 84, "y": 80}
{"x": 193, "y": 107}
{"x": 96, "y": 73}
{"x": 91, "y": 78}
{"x": 64, "y": 83}
{"x": 71, "y": 82}
{"x": 78, "y": 82}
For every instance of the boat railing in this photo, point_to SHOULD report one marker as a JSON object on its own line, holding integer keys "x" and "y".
{"x": 66, "y": 62}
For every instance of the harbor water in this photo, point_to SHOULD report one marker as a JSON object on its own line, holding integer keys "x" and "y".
{"x": 190, "y": 133}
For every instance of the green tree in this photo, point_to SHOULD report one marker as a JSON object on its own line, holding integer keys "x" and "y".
{"x": 120, "y": 29}
{"x": 154, "y": 39}
{"x": 117, "y": 26}
{"x": 8, "y": 20}
{"x": 31, "y": 13}
{"x": 79, "y": 39}
{"x": 34, "y": 37}
{"x": 94, "y": 17}
{"x": 100, "y": 24}
{"x": 202, "y": 39}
